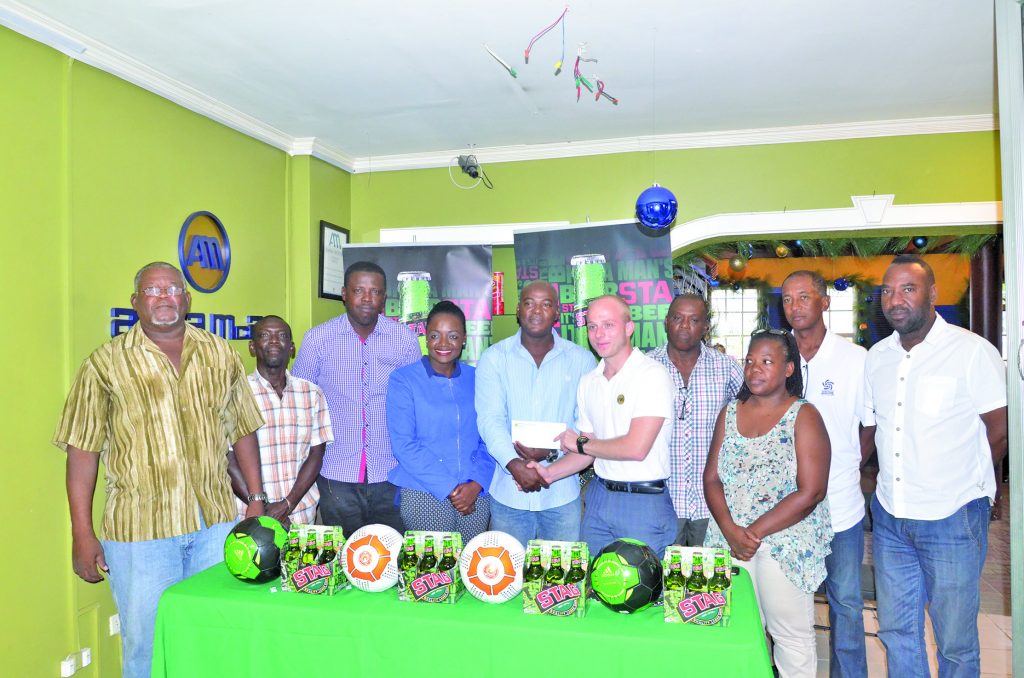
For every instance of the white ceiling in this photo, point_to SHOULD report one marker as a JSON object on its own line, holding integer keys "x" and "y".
{"x": 358, "y": 81}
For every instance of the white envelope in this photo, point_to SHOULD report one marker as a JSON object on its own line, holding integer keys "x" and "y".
{"x": 540, "y": 434}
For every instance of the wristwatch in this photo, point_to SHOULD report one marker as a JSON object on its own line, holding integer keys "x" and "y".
{"x": 256, "y": 496}
{"x": 580, "y": 442}
{"x": 552, "y": 456}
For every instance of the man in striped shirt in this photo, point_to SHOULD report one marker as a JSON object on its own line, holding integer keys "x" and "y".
{"x": 297, "y": 430}
{"x": 351, "y": 358}
{"x": 705, "y": 381}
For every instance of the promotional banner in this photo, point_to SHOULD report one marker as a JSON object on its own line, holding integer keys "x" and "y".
{"x": 418, "y": 276}
{"x": 589, "y": 261}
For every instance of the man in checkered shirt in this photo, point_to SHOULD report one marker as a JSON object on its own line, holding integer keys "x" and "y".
{"x": 298, "y": 426}
{"x": 705, "y": 381}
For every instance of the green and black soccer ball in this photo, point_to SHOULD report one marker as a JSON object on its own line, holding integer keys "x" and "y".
{"x": 252, "y": 550}
{"x": 626, "y": 576}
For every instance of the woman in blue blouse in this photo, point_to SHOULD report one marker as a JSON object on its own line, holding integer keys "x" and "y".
{"x": 443, "y": 465}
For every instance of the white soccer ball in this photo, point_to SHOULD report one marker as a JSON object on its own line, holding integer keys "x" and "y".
{"x": 492, "y": 567}
{"x": 370, "y": 557}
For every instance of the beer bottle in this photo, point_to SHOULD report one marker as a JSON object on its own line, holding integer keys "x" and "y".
{"x": 429, "y": 561}
{"x": 675, "y": 581}
{"x": 293, "y": 551}
{"x": 575, "y": 573}
{"x": 447, "y": 556}
{"x": 310, "y": 552}
{"x": 697, "y": 582}
{"x": 555, "y": 573}
{"x": 407, "y": 559}
{"x": 719, "y": 581}
{"x": 534, "y": 571}
{"x": 329, "y": 553}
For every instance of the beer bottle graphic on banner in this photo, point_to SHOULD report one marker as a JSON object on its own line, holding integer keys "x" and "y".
{"x": 697, "y": 582}
{"x": 719, "y": 580}
{"x": 555, "y": 573}
{"x": 534, "y": 571}
{"x": 428, "y": 563}
{"x": 414, "y": 300}
{"x": 575, "y": 573}
{"x": 588, "y": 277}
{"x": 675, "y": 581}
{"x": 447, "y": 556}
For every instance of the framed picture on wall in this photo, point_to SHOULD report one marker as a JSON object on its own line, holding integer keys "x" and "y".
{"x": 332, "y": 266}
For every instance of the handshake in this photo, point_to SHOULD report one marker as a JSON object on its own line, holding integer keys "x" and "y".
{"x": 528, "y": 472}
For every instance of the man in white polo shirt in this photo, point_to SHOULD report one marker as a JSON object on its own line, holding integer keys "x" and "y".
{"x": 833, "y": 376}
{"x": 938, "y": 394}
{"x": 625, "y": 412}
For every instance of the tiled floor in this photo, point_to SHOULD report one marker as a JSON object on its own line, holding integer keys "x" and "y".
{"x": 994, "y": 627}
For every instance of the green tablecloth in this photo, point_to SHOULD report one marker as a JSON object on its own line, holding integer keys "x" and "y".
{"x": 214, "y": 625}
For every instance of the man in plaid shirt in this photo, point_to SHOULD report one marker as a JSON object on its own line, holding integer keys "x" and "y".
{"x": 298, "y": 426}
{"x": 705, "y": 381}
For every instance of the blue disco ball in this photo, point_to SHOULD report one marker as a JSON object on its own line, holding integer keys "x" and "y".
{"x": 656, "y": 207}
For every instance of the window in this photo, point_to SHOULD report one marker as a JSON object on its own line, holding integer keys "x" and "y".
{"x": 733, "y": 318}
{"x": 841, "y": 318}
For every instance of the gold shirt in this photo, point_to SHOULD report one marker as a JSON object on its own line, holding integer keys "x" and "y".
{"x": 162, "y": 435}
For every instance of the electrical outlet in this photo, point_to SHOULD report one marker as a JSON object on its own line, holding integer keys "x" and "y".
{"x": 115, "y": 624}
{"x": 68, "y": 666}
{"x": 86, "y": 656}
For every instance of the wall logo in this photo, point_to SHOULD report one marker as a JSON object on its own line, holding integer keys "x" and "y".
{"x": 204, "y": 252}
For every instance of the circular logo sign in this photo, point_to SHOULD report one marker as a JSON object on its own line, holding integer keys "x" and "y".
{"x": 492, "y": 566}
{"x": 369, "y": 557}
{"x": 204, "y": 252}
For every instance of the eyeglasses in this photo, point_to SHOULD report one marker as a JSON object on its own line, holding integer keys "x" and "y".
{"x": 769, "y": 330}
{"x": 170, "y": 290}
{"x": 805, "y": 368}
{"x": 684, "y": 394}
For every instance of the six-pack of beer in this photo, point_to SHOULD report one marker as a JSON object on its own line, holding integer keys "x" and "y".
{"x": 309, "y": 561}
{"x": 555, "y": 578}
{"x": 428, "y": 567}
{"x": 695, "y": 593}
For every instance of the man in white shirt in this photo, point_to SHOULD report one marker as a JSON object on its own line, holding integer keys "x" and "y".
{"x": 833, "y": 376}
{"x": 625, "y": 422}
{"x": 938, "y": 394}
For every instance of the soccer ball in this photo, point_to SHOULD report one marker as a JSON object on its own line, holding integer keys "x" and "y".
{"x": 252, "y": 550}
{"x": 492, "y": 566}
{"x": 370, "y": 557}
{"x": 626, "y": 576}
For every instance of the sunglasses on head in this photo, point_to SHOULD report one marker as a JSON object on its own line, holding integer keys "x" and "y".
{"x": 769, "y": 330}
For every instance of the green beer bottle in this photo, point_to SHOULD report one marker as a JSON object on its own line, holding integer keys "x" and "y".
{"x": 310, "y": 552}
{"x": 555, "y": 573}
{"x": 719, "y": 581}
{"x": 407, "y": 559}
{"x": 697, "y": 582}
{"x": 447, "y": 556}
{"x": 534, "y": 571}
{"x": 429, "y": 561}
{"x": 329, "y": 553}
{"x": 575, "y": 573}
{"x": 674, "y": 580}
{"x": 294, "y": 549}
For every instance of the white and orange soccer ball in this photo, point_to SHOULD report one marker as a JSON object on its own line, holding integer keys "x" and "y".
{"x": 492, "y": 567}
{"x": 370, "y": 557}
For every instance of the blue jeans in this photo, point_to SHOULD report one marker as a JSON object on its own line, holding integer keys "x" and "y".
{"x": 353, "y": 505}
{"x": 937, "y": 562}
{"x": 847, "y": 656}
{"x": 140, "y": 571}
{"x": 611, "y": 515}
{"x": 559, "y": 523}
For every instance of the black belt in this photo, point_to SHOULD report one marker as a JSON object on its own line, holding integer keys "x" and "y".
{"x": 645, "y": 487}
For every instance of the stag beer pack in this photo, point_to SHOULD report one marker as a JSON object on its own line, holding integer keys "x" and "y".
{"x": 697, "y": 602}
{"x": 324, "y": 575}
{"x": 561, "y": 591}
{"x": 431, "y": 581}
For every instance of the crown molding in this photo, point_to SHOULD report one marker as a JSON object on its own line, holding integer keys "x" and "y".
{"x": 670, "y": 142}
{"x": 43, "y": 29}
